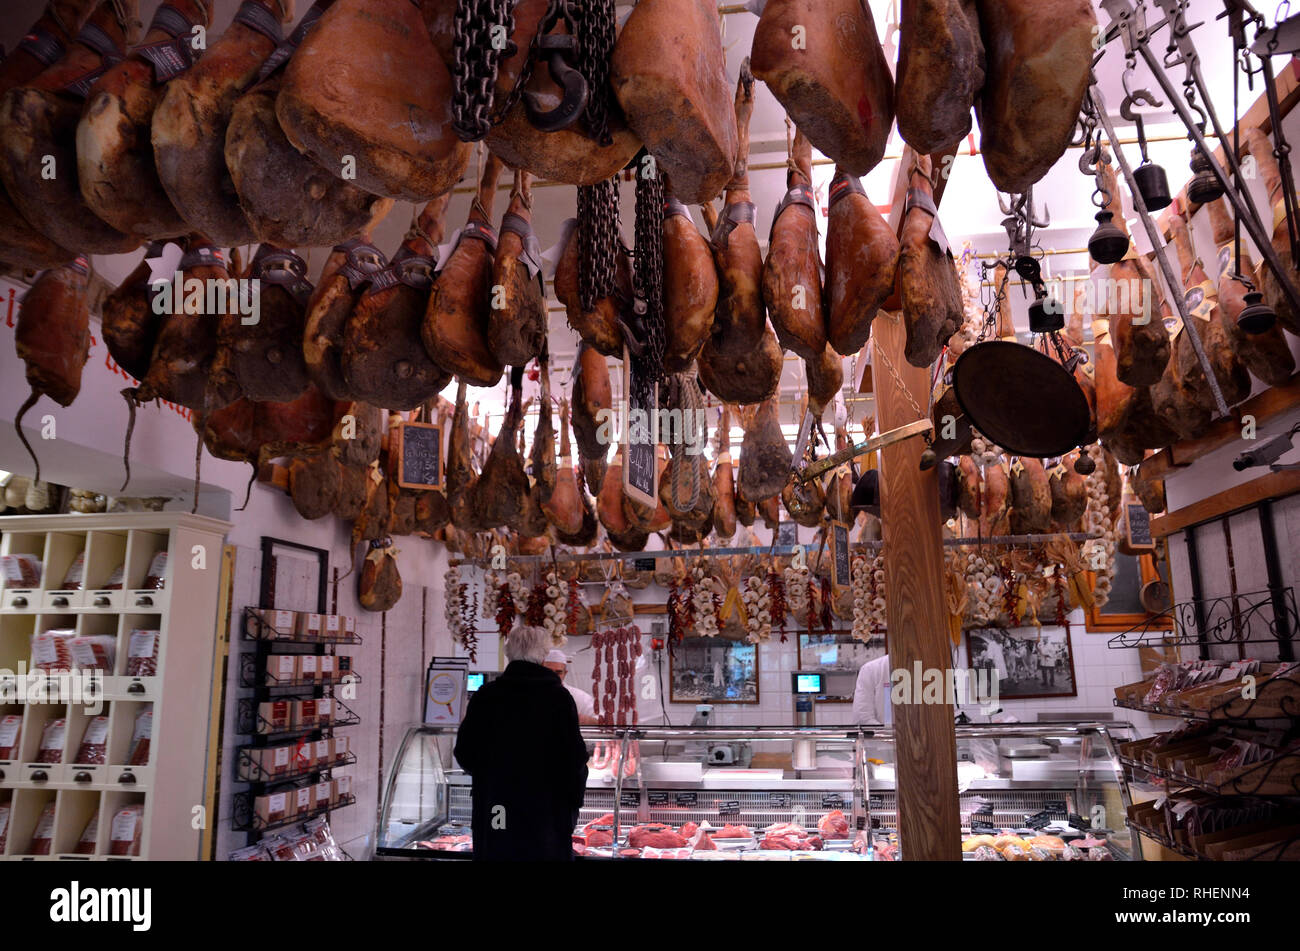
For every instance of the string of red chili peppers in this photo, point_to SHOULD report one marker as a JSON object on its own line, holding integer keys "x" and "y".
{"x": 776, "y": 592}
{"x": 1010, "y": 600}
{"x": 505, "y": 616}
{"x": 535, "y": 612}
{"x": 1062, "y": 619}
{"x": 597, "y": 642}
{"x": 571, "y": 608}
{"x": 468, "y": 619}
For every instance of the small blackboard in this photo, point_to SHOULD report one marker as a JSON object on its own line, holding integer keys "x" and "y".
{"x": 1138, "y": 522}
{"x": 833, "y": 801}
{"x": 729, "y": 808}
{"x": 982, "y": 825}
{"x": 1054, "y": 805}
{"x": 629, "y": 799}
{"x": 1039, "y": 820}
{"x": 418, "y": 450}
{"x": 860, "y": 823}
{"x": 876, "y": 802}
{"x": 841, "y": 571}
{"x": 1078, "y": 822}
{"x": 686, "y": 798}
{"x": 657, "y": 798}
{"x": 640, "y": 467}
{"x": 787, "y": 533}
{"x": 780, "y": 800}
{"x": 644, "y": 564}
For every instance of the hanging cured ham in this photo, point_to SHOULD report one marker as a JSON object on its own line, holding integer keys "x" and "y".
{"x": 610, "y": 509}
{"x": 650, "y": 518}
{"x": 264, "y": 360}
{"x": 129, "y": 324}
{"x": 690, "y": 287}
{"x": 668, "y": 71}
{"x": 724, "y": 483}
{"x": 343, "y": 280}
{"x": 741, "y": 361}
{"x": 792, "y": 289}
{"x": 502, "y": 487}
{"x": 382, "y": 358}
{"x": 825, "y": 378}
{"x": 861, "y": 264}
{"x": 189, "y": 124}
{"x": 1039, "y": 59}
{"x": 598, "y": 327}
{"x": 43, "y": 45}
{"x": 38, "y": 135}
{"x": 995, "y": 501}
{"x": 592, "y": 402}
{"x": 564, "y": 509}
{"x": 1262, "y": 150}
{"x": 517, "y": 310}
{"x": 53, "y": 339}
{"x": 823, "y": 62}
{"x": 1266, "y": 354}
{"x": 460, "y": 474}
{"x": 115, "y": 159}
{"x": 765, "y": 459}
{"x": 1069, "y": 494}
{"x": 456, "y": 321}
{"x": 1031, "y": 497}
{"x": 940, "y": 72}
{"x": 542, "y": 457}
{"x": 1139, "y": 337}
{"x": 932, "y": 308}
{"x": 367, "y": 94}
{"x": 568, "y": 155}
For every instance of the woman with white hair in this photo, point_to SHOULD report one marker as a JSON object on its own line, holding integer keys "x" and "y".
{"x": 520, "y": 742}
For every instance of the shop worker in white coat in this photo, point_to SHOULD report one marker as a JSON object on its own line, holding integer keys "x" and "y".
{"x": 558, "y": 662}
{"x": 871, "y": 693}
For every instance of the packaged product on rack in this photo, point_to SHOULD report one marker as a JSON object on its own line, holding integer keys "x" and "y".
{"x": 52, "y": 650}
{"x": 302, "y": 801}
{"x": 341, "y": 746}
{"x": 250, "y": 853}
{"x": 142, "y": 653}
{"x": 326, "y": 711}
{"x": 273, "y": 716}
{"x": 141, "y": 734}
{"x": 94, "y": 652}
{"x": 327, "y": 671}
{"x": 320, "y": 832}
{"x": 125, "y": 832}
{"x": 116, "y": 579}
{"x": 20, "y": 571}
{"x": 4, "y": 824}
{"x": 308, "y": 666}
{"x": 274, "y": 808}
{"x": 10, "y": 730}
{"x": 74, "y": 578}
{"x": 43, "y": 836}
{"x": 342, "y": 788}
{"x": 309, "y": 627}
{"x": 281, "y": 669}
{"x": 305, "y": 715}
{"x": 157, "y": 574}
{"x": 322, "y": 753}
{"x": 52, "y": 737}
{"x": 93, "y": 750}
{"x": 323, "y": 795}
{"x": 86, "y": 842}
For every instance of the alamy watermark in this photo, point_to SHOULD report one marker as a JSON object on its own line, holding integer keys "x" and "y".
{"x": 79, "y": 687}
{"x": 955, "y": 687}
{"x": 675, "y": 427}
{"x": 210, "y": 296}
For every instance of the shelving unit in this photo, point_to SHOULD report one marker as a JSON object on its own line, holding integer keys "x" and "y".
{"x": 300, "y": 764}
{"x": 172, "y": 782}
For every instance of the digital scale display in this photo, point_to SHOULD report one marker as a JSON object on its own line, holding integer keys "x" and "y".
{"x": 473, "y": 682}
{"x": 808, "y": 683}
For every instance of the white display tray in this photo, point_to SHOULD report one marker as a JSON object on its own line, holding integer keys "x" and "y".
{"x": 741, "y": 778}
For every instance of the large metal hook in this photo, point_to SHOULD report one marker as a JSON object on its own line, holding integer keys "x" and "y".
{"x": 1142, "y": 97}
{"x": 555, "y": 46}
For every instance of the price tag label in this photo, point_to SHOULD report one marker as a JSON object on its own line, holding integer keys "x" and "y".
{"x": 1079, "y": 822}
{"x": 982, "y": 825}
{"x": 1054, "y": 805}
{"x": 686, "y": 798}
{"x": 833, "y": 801}
{"x": 644, "y": 564}
{"x": 876, "y": 802}
{"x": 729, "y": 808}
{"x": 629, "y": 798}
{"x": 1038, "y": 820}
{"x": 780, "y": 800}
{"x": 861, "y": 823}
{"x": 658, "y": 798}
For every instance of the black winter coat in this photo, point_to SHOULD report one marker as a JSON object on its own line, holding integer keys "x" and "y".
{"x": 519, "y": 740}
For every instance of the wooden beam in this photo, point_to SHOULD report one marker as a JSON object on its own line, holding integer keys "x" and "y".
{"x": 929, "y": 817}
{"x": 1273, "y": 485}
{"x": 1263, "y": 406}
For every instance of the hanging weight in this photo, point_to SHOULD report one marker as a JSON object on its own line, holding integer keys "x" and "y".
{"x": 1153, "y": 183}
{"x": 1108, "y": 243}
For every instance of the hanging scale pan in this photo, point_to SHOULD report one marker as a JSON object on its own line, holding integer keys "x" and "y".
{"x": 1287, "y": 34}
{"x": 1021, "y": 399}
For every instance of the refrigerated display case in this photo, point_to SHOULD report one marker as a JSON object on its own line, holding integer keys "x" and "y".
{"x": 1060, "y": 779}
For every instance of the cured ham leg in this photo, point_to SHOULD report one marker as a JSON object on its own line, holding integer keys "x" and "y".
{"x": 1031, "y": 497}
{"x": 189, "y": 125}
{"x": 823, "y": 62}
{"x": 724, "y": 483}
{"x": 456, "y": 321}
{"x": 367, "y": 93}
{"x": 564, "y": 508}
{"x": 668, "y": 71}
{"x": 609, "y": 508}
{"x": 343, "y": 280}
{"x": 932, "y": 309}
{"x": 792, "y": 289}
{"x": 593, "y": 402}
{"x": 861, "y": 264}
{"x": 501, "y": 492}
{"x": 1262, "y": 149}
{"x": 599, "y": 327}
{"x": 460, "y": 474}
{"x": 940, "y": 72}
{"x": 690, "y": 287}
{"x": 765, "y": 458}
{"x": 382, "y": 360}
{"x": 517, "y": 310}
{"x": 129, "y": 324}
{"x": 1267, "y": 354}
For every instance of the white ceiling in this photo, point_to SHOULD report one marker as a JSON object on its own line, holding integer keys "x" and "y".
{"x": 969, "y": 211}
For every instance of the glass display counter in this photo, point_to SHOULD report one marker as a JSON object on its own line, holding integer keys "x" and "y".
{"x": 1049, "y": 791}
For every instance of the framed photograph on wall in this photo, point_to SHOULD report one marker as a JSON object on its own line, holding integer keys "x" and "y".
{"x": 1140, "y": 594}
{"x": 1029, "y": 663}
{"x": 713, "y": 670}
{"x": 838, "y": 657}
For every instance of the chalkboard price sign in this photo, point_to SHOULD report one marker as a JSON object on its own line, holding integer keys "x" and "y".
{"x": 1054, "y": 805}
{"x": 640, "y": 434}
{"x": 729, "y": 808}
{"x": 629, "y": 799}
{"x": 787, "y": 533}
{"x": 1138, "y": 522}
{"x": 832, "y": 801}
{"x": 842, "y": 572}
{"x": 686, "y": 798}
{"x": 657, "y": 798}
{"x": 876, "y": 802}
{"x": 644, "y": 564}
{"x": 780, "y": 800}
{"x": 418, "y": 450}
{"x": 982, "y": 825}
{"x": 1039, "y": 820}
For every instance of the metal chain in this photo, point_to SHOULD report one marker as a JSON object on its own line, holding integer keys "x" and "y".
{"x": 595, "y": 44}
{"x": 475, "y": 60}
{"x": 598, "y": 241}
{"x": 648, "y": 275}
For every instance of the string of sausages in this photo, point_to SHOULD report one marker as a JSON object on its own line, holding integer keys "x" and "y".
{"x": 613, "y": 691}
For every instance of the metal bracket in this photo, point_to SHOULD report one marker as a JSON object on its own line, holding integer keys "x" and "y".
{"x": 811, "y": 471}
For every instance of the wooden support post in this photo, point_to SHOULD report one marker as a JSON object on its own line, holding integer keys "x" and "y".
{"x": 929, "y": 816}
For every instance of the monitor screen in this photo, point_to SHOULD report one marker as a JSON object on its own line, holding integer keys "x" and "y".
{"x": 473, "y": 682}
{"x": 808, "y": 683}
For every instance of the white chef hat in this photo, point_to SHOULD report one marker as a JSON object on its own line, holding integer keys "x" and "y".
{"x": 557, "y": 657}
